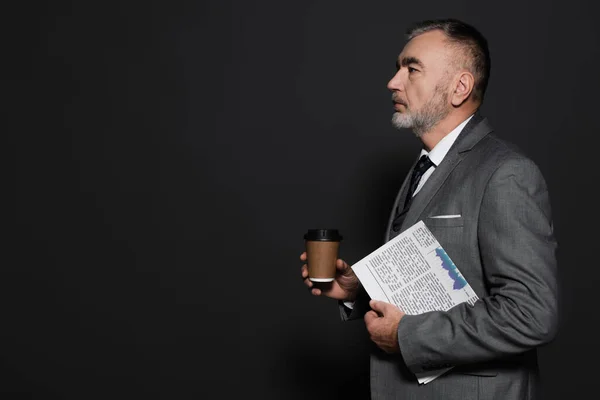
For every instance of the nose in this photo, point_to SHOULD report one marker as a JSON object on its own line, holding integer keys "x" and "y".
{"x": 396, "y": 82}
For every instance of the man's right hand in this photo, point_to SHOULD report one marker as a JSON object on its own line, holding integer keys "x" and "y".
{"x": 344, "y": 287}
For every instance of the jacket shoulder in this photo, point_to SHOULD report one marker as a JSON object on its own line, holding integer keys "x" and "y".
{"x": 493, "y": 150}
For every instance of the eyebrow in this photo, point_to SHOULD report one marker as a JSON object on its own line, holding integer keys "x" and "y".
{"x": 409, "y": 60}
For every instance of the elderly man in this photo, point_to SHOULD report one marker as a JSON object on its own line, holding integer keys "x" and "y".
{"x": 488, "y": 206}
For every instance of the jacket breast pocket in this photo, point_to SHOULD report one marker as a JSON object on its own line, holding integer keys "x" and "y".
{"x": 442, "y": 221}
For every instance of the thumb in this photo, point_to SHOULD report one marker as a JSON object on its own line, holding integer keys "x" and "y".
{"x": 370, "y": 316}
{"x": 375, "y": 305}
{"x": 341, "y": 265}
{"x": 379, "y": 306}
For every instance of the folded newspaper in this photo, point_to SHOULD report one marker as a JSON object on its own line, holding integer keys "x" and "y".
{"x": 414, "y": 272}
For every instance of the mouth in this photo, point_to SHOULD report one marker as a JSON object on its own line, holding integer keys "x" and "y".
{"x": 398, "y": 103}
{"x": 399, "y": 106}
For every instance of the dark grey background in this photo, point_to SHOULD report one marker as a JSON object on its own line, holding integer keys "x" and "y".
{"x": 169, "y": 157}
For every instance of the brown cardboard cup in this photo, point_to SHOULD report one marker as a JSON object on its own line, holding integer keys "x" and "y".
{"x": 322, "y": 246}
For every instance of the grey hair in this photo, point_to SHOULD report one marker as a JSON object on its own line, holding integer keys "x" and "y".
{"x": 470, "y": 41}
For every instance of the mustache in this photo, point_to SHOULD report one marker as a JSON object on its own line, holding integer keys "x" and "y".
{"x": 396, "y": 99}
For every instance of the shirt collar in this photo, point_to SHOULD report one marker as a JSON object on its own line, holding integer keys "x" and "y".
{"x": 437, "y": 154}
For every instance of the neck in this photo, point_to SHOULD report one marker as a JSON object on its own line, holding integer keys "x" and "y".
{"x": 431, "y": 138}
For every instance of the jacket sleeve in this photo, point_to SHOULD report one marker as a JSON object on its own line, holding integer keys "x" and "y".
{"x": 518, "y": 256}
{"x": 360, "y": 308}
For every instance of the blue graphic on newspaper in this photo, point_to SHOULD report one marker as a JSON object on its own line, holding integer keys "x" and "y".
{"x": 447, "y": 264}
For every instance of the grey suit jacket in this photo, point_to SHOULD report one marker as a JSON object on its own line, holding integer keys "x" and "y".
{"x": 503, "y": 243}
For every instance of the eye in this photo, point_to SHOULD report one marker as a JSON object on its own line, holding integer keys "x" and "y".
{"x": 411, "y": 70}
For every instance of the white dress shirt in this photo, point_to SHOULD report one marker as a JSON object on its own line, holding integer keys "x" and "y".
{"x": 436, "y": 155}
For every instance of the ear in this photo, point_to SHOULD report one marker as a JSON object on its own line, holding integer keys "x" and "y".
{"x": 463, "y": 87}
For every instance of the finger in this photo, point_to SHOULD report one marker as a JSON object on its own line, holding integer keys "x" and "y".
{"x": 316, "y": 292}
{"x": 379, "y": 306}
{"x": 308, "y": 282}
{"x": 304, "y": 271}
{"x": 341, "y": 265}
{"x": 303, "y": 256}
{"x": 370, "y": 316}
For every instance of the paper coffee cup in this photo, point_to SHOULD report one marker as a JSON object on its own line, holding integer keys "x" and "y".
{"x": 322, "y": 247}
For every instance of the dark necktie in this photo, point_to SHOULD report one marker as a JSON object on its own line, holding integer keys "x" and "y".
{"x": 422, "y": 166}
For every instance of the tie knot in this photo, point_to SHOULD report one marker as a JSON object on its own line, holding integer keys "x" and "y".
{"x": 424, "y": 164}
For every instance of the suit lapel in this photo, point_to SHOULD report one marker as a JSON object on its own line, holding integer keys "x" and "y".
{"x": 430, "y": 188}
{"x": 477, "y": 128}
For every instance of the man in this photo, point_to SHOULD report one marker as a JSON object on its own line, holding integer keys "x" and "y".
{"x": 488, "y": 206}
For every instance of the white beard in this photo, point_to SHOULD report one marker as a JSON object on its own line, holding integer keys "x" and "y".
{"x": 423, "y": 120}
{"x": 403, "y": 120}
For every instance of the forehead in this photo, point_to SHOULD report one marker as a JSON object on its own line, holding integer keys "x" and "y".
{"x": 431, "y": 48}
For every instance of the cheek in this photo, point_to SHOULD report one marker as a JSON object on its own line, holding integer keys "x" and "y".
{"x": 415, "y": 97}
{"x": 420, "y": 95}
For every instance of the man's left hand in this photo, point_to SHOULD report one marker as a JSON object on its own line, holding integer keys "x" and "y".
{"x": 382, "y": 323}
